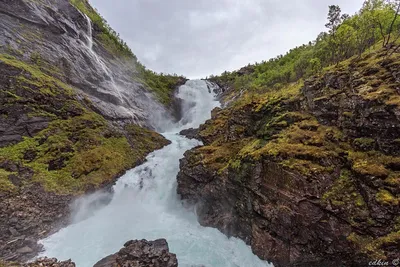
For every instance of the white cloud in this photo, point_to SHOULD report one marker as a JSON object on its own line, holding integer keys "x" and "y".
{"x": 203, "y": 37}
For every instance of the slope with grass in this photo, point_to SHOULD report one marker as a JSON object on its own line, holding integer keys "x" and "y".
{"x": 306, "y": 173}
{"x": 75, "y": 113}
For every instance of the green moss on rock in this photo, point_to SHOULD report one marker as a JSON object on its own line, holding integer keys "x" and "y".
{"x": 162, "y": 85}
{"x": 78, "y": 150}
{"x": 386, "y": 198}
{"x": 108, "y": 37}
{"x": 344, "y": 192}
{"x": 5, "y": 183}
{"x": 80, "y": 153}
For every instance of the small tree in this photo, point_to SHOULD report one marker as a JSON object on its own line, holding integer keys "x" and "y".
{"x": 383, "y": 14}
{"x": 334, "y": 19}
{"x": 315, "y": 65}
{"x": 396, "y": 5}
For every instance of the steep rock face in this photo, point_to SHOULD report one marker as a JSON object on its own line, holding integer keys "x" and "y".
{"x": 135, "y": 253}
{"x": 69, "y": 116}
{"x": 141, "y": 253}
{"x": 67, "y": 45}
{"x": 45, "y": 262}
{"x": 43, "y": 166}
{"x": 307, "y": 175}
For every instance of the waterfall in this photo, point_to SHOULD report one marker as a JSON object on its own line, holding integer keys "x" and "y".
{"x": 100, "y": 62}
{"x": 89, "y": 33}
{"x": 145, "y": 206}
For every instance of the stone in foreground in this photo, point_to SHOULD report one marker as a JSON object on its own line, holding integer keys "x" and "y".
{"x": 50, "y": 262}
{"x": 141, "y": 253}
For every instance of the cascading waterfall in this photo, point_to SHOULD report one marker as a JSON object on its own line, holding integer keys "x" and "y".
{"x": 100, "y": 62}
{"x": 145, "y": 206}
{"x": 89, "y": 32}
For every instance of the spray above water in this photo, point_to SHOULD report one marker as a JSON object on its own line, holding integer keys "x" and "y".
{"x": 197, "y": 102}
{"x": 145, "y": 206}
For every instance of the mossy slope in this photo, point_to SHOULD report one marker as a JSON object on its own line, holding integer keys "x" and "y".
{"x": 77, "y": 149}
{"x": 331, "y": 141}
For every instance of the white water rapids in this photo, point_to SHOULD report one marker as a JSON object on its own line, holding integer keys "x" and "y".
{"x": 145, "y": 206}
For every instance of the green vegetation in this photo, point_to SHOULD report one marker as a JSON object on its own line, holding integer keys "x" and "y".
{"x": 374, "y": 247}
{"x": 78, "y": 150}
{"x": 364, "y": 143}
{"x": 5, "y": 183}
{"x": 79, "y": 153}
{"x": 109, "y": 38}
{"x": 386, "y": 198}
{"x": 297, "y": 115}
{"x": 343, "y": 193}
{"x": 375, "y": 24}
{"x": 143, "y": 140}
{"x": 37, "y": 77}
{"x": 8, "y": 264}
{"x": 162, "y": 85}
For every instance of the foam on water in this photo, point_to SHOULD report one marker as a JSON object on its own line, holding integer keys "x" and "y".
{"x": 145, "y": 206}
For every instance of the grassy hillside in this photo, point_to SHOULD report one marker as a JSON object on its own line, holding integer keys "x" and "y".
{"x": 305, "y": 156}
{"x": 77, "y": 149}
{"x": 374, "y": 26}
{"x": 331, "y": 140}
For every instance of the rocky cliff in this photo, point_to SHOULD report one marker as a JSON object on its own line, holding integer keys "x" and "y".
{"x": 135, "y": 253}
{"x": 141, "y": 253}
{"x": 75, "y": 112}
{"x": 308, "y": 174}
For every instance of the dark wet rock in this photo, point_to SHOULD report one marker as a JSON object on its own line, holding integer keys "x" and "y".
{"x": 57, "y": 164}
{"x": 54, "y": 34}
{"x": 25, "y": 250}
{"x": 32, "y": 214}
{"x": 190, "y": 133}
{"x": 307, "y": 180}
{"x": 141, "y": 253}
{"x": 49, "y": 262}
{"x": 57, "y": 103}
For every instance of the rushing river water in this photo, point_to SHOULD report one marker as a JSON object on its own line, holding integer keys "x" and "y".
{"x": 145, "y": 206}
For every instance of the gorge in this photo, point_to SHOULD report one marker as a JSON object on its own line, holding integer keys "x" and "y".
{"x": 291, "y": 162}
{"x": 145, "y": 205}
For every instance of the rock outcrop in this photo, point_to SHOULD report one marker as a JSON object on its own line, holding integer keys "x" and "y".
{"x": 75, "y": 114}
{"x": 41, "y": 262}
{"x": 67, "y": 45}
{"x": 135, "y": 253}
{"x": 141, "y": 253}
{"x": 190, "y": 133}
{"x": 308, "y": 175}
{"x": 50, "y": 262}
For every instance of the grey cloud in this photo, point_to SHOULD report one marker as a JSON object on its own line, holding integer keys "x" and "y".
{"x": 203, "y": 37}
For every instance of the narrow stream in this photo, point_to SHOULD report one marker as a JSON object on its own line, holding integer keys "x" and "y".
{"x": 145, "y": 205}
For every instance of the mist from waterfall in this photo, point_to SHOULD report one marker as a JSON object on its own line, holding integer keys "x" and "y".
{"x": 145, "y": 206}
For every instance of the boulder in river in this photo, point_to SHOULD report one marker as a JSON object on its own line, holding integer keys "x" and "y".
{"x": 50, "y": 262}
{"x": 190, "y": 133}
{"x": 141, "y": 253}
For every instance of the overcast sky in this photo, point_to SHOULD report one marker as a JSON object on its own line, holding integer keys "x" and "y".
{"x": 197, "y": 38}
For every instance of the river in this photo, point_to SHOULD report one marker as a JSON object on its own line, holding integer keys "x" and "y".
{"x": 145, "y": 206}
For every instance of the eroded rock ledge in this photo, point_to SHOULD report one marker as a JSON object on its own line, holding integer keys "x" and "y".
{"x": 141, "y": 253}
{"x": 135, "y": 253}
{"x": 308, "y": 175}
{"x": 56, "y": 143}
